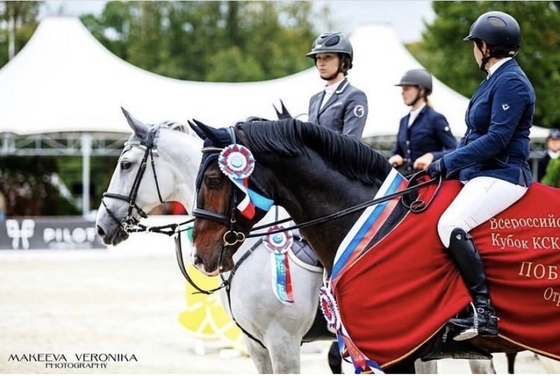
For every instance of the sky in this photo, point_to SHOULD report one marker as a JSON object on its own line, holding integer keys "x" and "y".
{"x": 405, "y": 16}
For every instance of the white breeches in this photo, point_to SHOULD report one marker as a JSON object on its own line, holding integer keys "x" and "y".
{"x": 479, "y": 200}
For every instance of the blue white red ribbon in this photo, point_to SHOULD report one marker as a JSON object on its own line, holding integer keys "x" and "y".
{"x": 237, "y": 163}
{"x": 367, "y": 226}
{"x": 350, "y": 250}
{"x": 278, "y": 245}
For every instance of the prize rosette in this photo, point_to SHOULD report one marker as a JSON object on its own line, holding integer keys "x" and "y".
{"x": 279, "y": 242}
{"x": 236, "y": 161}
{"x": 330, "y": 309}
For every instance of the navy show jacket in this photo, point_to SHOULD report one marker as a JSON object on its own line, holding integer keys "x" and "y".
{"x": 499, "y": 119}
{"x": 428, "y": 133}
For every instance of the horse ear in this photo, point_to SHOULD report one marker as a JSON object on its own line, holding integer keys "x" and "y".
{"x": 284, "y": 114}
{"x": 199, "y": 132}
{"x": 219, "y": 136}
{"x": 139, "y": 128}
{"x": 285, "y": 111}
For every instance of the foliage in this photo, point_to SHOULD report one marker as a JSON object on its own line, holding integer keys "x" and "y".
{"x": 552, "y": 174}
{"x": 227, "y": 41}
{"x": 22, "y": 15}
{"x": 451, "y": 59}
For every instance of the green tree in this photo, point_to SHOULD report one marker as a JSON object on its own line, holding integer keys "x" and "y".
{"x": 18, "y": 23}
{"x": 451, "y": 60}
{"x": 229, "y": 41}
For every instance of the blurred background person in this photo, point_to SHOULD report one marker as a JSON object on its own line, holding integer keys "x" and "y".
{"x": 424, "y": 135}
{"x": 551, "y": 155}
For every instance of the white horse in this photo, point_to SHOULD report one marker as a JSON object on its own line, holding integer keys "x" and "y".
{"x": 159, "y": 164}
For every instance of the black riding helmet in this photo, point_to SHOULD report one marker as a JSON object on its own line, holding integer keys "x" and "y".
{"x": 417, "y": 77}
{"x": 334, "y": 42}
{"x": 499, "y": 31}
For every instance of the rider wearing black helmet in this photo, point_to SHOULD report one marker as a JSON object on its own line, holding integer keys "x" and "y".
{"x": 424, "y": 134}
{"x": 491, "y": 160}
{"x": 501, "y": 34}
{"x": 340, "y": 106}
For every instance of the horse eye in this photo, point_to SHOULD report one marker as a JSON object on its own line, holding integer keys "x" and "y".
{"x": 125, "y": 165}
{"x": 213, "y": 182}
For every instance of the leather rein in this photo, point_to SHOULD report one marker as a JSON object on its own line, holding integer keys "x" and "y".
{"x": 232, "y": 237}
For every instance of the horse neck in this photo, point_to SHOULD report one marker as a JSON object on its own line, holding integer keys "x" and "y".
{"x": 307, "y": 193}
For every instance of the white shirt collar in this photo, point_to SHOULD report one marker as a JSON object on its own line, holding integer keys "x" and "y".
{"x": 329, "y": 90}
{"x": 332, "y": 88}
{"x": 498, "y": 64}
{"x": 414, "y": 114}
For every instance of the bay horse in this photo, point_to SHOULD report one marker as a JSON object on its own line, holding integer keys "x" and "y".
{"x": 158, "y": 164}
{"x": 394, "y": 286}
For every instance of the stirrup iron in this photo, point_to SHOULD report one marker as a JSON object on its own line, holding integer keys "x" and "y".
{"x": 469, "y": 332}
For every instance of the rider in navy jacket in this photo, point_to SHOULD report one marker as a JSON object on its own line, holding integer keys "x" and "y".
{"x": 491, "y": 160}
{"x": 340, "y": 107}
{"x": 499, "y": 120}
{"x": 424, "y": 134}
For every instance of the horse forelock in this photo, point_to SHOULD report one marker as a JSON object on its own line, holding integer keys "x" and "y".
{"x": 292, "y": 137}
{"x": 176, "y": 126}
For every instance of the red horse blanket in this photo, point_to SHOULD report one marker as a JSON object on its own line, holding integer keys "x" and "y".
{"x": 404, "y": 289}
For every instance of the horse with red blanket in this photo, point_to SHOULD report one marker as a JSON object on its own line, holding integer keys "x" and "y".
{"x": 392, "y": 287}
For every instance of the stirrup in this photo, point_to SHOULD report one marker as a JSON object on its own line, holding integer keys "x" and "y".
{"x": 469, "y": 332}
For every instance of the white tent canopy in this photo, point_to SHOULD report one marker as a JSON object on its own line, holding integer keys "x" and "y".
{"x": 64, "y": 80}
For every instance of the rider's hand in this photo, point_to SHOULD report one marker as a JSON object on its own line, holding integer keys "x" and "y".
{"x": 437, "y": 169}
{"x": 396, "y": 160}
{"x": 423, "y": 162}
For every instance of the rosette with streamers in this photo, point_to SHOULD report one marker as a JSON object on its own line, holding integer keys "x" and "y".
{"x": 237, "y": 163}
{"x": 329, "y": 308}
{"x": 278, "y": 245}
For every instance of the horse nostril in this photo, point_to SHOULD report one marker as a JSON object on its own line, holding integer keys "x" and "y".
{"x": 100, "y": 231}
{"x": 196, "y": 260}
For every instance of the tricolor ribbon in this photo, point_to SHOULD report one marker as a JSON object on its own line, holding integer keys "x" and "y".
{"x": 350, "y": 250}
{"x": 278, "y": 244}
{"x": 237, "y": 163}
{"x": 366, "y": 227}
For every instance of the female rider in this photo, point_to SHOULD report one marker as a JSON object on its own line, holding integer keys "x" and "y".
{"x": 491, "y": 160}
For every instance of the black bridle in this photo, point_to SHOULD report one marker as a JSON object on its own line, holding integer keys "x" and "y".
{"x": 130, "y": 222}
{"x": 416, "y": 206}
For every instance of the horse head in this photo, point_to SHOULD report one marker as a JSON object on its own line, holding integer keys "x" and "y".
{"x": 221, "y": 224}
{"x": 150, "y": 171}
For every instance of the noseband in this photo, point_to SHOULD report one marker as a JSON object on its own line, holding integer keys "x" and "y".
{"x": 130, "y": 222}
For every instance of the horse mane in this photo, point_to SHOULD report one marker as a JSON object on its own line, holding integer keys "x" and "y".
{"x": 291, "y": 137}
{"x": 178, "y": 127}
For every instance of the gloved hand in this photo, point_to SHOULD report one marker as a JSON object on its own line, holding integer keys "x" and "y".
{"x": 437, "y": 169}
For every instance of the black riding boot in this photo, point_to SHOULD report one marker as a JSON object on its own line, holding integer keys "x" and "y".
{"x": 468, "y": 261}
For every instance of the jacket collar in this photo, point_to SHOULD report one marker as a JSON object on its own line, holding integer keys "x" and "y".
{"x": 502, "y": 68}
{"x": 341, "y": 87}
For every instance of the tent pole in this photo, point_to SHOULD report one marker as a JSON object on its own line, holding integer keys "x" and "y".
{"x": 86, "y": 167}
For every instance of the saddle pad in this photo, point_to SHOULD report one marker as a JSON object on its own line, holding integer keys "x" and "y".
{"x": 404, "y": 289}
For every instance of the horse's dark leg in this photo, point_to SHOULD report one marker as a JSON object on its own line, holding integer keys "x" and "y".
{"x": 335, "y": 359}
{"x": 335, "y": 363}
{"x": 405, "y": 366}
{"x": 511, "y": 362}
